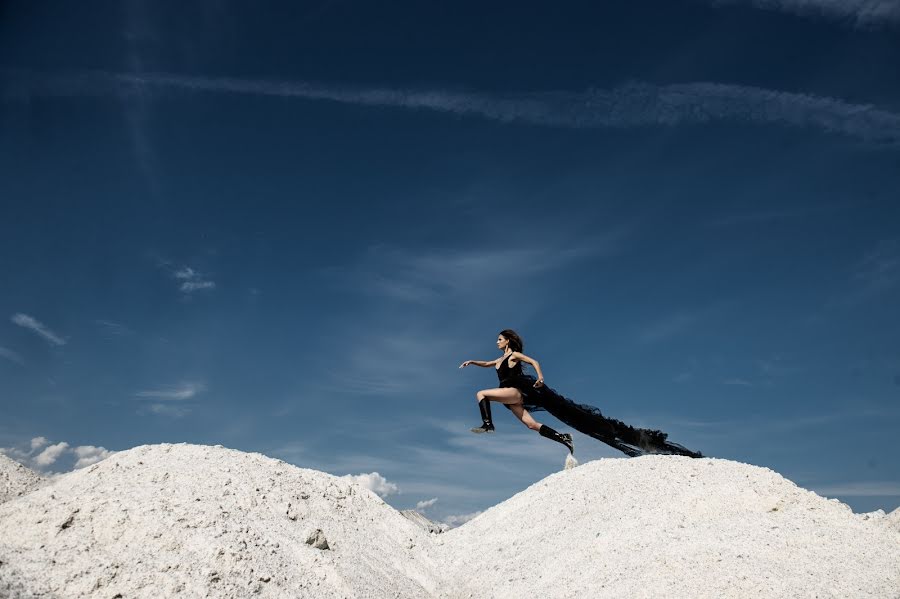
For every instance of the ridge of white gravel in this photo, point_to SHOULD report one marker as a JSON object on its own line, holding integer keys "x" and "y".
{"x": 893, "y": 519}
{"x": 671, "y": 526}
{"x": 16, "y": 480}
{"x": 200, "y": 521}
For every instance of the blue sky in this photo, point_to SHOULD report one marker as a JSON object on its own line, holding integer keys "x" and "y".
{"x": 281, "y": 227}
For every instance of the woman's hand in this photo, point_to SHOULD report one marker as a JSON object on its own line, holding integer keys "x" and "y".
{"x": 539, "y": 383}
{"x": 466, "y": 363}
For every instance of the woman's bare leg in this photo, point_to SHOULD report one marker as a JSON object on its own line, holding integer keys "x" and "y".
{"x": 544, "y": 430}
{"x": 505, "y": 395}
{"x": 522, "y": 414}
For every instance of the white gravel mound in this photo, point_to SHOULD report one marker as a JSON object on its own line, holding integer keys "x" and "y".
{"x": 197, "y": 521}
{"x": 670, "y": 526}
{"x": 16, "y": 480}
{"x": 893, "y": 519}
{"x": 420, "y": 519}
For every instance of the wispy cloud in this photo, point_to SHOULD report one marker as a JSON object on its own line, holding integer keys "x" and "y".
{"x": 42, "y": 455}
{"x": 860, "y": 12}
{"x": 735, "y": 382}
{"x": 631, "y": 105}
{"x": 178, "y": 392}
{"x": 666, "y": 328}
{"x": 417, "y": 276}
{"x": 879, "y": 270}
{"x": 396, "y": 349}
{"x": 11, "y": 355}
{"x": 23, "y": 320}
{"x": 192, "y": 281}
{"x": 765, "y": 372}
{"x": 874, "y": 275}
{"x": 188, "y": 278}
{"x": 753, "y": 217}
{"x": 785, "y": 428}
{"x": 375, "y": 483}
{"x": 393, "y": 363}
{"x": 169, "y": 401}
{"x": 112, "y": 329}
{"x": 861, "y": 489}
{"x": 173, "y": 411}
{"x": 424, "y": 505}
{"x": 136, "y": 103}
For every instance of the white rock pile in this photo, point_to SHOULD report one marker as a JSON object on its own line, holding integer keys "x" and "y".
{"x": 198, "y": 521}
{"x": 670, "y": 526}
{"x": 16, "y": 480}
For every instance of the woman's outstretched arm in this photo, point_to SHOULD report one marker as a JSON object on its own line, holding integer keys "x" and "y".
{"x": 537, "y": 367}
{"x": 482, "y": 363}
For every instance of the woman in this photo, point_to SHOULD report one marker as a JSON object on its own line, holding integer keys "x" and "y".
{"x": 521, "y": 392}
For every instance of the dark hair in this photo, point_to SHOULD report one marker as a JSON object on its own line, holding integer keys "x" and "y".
{"x": 515, "y": 342}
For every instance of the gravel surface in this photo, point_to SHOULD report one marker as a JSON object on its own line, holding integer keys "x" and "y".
{"x": 670, "y": 526}
{"x": 16, "y": 480}
{"x": 199, "y": 521}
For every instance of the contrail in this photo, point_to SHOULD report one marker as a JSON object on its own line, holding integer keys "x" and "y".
{"x": 631, "y": 105}
{"x": 23, "y": 320}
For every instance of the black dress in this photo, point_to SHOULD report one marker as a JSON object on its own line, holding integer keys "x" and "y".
{"x": 587, "y": 419}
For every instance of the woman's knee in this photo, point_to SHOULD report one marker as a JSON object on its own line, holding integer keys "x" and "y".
{"x": 480, "y": 395}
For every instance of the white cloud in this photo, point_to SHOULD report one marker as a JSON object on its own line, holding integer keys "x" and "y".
{"x": 23, "y": 320}
{"x": 11, "y": 355}
{"x": 88, "y": 454}
{"x": 179, "y": 392}
{"x": 51, "y": 454}
{"x": 630, "y": 105}
{"x": 375, "y": 483}
{"x": 41, "y": 456}
{"x": 459, "y": 519}
{"x": 861, "y": 12}
{"x": 422, "y": 505}
{"x": 737, "y": 382}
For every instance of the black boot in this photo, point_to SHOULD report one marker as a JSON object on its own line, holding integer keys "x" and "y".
{"x": 487, "y": 425}
{"x": 564, "y": 438}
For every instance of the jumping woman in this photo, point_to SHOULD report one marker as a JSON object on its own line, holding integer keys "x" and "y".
{"x": 522, "y": 393}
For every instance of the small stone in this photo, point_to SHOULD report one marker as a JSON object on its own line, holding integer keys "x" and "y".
{"x": 317, "y": 540}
